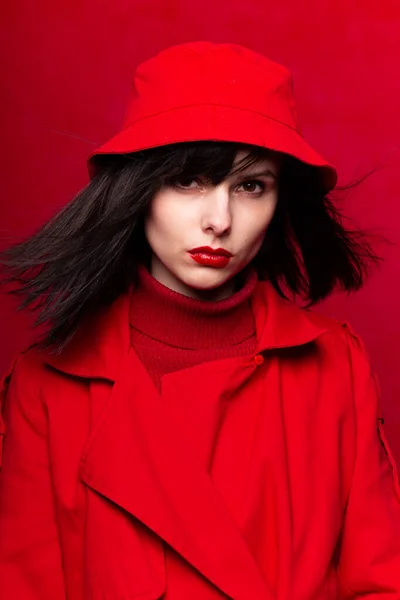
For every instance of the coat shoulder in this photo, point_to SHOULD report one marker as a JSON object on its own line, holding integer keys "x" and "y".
{"x": 26, "y": 363}
{"x": 337, "y": 332}
{"x": 26, "y": 373}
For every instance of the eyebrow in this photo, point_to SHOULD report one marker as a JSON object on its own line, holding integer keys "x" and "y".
{"x": 264, "y": 172}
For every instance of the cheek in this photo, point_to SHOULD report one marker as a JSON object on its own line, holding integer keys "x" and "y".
{"x": 158, "y": 222}
{"x": 166, "y": 223}
{"x": 255, "y": 224}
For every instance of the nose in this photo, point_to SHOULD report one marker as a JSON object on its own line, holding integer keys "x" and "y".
{"x": 217, "y": 217}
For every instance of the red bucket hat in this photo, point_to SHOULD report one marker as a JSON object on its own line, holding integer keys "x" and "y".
{"x": 219, "y": 92}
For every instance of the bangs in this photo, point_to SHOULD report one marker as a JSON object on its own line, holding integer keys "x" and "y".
{"x": 212, "y": 160}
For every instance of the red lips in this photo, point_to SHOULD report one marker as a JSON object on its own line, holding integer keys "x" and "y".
{"x": 211, "y": 257}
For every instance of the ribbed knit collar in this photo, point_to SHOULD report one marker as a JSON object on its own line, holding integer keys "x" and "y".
{"x": 184, "y": 322}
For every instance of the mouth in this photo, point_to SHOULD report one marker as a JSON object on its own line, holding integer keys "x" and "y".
{"x": 211, "y": 257}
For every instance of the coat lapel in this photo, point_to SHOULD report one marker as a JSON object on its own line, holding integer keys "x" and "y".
{"x": 141, "y": 454}
{"x": 138, "y": 458}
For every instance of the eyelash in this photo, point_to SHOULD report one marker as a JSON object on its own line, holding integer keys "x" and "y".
{"x": 263, "y": 186}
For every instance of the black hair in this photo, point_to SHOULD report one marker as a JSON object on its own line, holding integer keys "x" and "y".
{"x": 86, "y": 255}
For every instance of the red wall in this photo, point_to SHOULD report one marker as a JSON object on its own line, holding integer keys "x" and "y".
{"x": 66, "y": 75}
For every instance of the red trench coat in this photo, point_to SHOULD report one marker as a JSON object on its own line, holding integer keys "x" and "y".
{"x": 257, "y": 478}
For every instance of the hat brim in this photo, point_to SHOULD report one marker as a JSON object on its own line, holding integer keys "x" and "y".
{"x": 214, "y": 122}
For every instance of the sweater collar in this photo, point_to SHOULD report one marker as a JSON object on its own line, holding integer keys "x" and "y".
{"x": 177, "y": 320}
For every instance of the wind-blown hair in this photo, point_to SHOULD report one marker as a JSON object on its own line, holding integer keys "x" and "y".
{"x": 86, "y": 255}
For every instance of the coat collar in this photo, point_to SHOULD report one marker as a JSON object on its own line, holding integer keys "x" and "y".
{"x": 102, "y": 341}
{"x": 280, "y": 323}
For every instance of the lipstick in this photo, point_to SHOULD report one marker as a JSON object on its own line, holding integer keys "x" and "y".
{"x": 211, "y": 257}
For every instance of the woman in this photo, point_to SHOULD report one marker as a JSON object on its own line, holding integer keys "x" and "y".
{"x": 185, "y": 430}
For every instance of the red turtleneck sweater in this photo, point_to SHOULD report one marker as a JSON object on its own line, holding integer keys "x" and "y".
{"x": 170, "y": 331}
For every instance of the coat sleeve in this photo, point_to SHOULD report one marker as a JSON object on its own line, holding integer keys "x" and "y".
{"x": 369, "y": 563}
{"x": 30, "y": 557}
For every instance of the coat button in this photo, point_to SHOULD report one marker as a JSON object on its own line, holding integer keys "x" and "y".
{"x": 258, "y": 359}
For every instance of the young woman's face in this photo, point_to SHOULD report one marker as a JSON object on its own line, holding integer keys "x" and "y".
{"x": 233, "y": 217}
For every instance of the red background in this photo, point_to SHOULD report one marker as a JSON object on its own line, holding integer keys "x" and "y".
{"x": 66, "y": 74}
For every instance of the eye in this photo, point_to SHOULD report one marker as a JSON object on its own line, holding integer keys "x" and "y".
{"x": 251, "y": 184}
{"x": 185, "y": 182}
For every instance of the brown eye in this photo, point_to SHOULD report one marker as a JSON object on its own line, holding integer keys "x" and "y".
{"x": 250, "y": 187}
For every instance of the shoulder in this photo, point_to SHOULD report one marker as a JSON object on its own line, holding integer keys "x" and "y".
{"x": 34, "y": 394}
{"x": 20, "y": 394}
{"x": 347, "y": 367}
{"x": 346, "y": 349}
{"x": 339, "y": 332}
{"x": 22, "y": 382}
{"x": 27, "y": 366}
